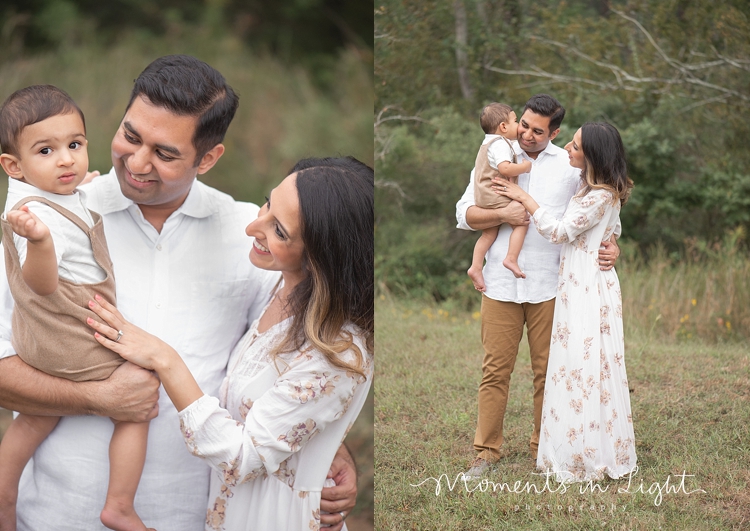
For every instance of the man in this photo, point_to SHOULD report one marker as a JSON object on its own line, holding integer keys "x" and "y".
{"x": 181, "y": 265}
{"x": 509, "y": 303}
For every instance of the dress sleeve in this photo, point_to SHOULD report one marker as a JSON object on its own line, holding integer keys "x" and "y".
{"x": 302, "y": 402}
{"x": 466, "y": 201}
{"x": 582, "y": 214}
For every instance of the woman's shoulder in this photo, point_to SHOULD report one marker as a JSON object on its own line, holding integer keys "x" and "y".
{"x": 355, "y": 353}
{"x": 595, "y": 196}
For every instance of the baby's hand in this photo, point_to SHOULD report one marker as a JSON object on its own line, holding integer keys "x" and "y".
{"x": 27, "y": 225}
{"x": 526, "y": 165}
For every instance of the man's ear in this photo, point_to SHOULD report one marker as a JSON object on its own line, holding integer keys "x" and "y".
{"x": 11, "y": 166}
{"x": 553, "y": 134}
{"x": 210, "y": 158}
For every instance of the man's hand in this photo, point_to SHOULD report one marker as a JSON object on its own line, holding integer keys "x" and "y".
{"x": 338, "y": 501}
{"x": 608, "y": 256}
{"x": 484, "y": 218}
{"x": 130, "y": 394}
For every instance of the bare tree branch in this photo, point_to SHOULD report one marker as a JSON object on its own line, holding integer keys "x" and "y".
{"x": 684, "y": 73}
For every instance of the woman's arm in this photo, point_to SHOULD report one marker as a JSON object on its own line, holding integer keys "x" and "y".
{"x": 146, "y": 350}
{"x": 301, "y": 403}
{"x": 582, "y": 213}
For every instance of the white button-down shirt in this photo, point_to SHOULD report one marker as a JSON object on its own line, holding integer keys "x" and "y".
{"x": 193, "y": 286}
{"x": 551, "y": 182}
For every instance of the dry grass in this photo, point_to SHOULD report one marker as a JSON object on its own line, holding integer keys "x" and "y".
{"x": 691, "y": 409}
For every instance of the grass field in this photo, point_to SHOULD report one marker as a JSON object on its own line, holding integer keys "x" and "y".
{"x": 691, "y": 411}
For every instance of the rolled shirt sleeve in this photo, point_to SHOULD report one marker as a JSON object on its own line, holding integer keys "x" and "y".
{"x": 466, "y": 201}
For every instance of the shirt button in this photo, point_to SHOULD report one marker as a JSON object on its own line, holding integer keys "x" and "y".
{"x": 158, "y": 247}
{"x": 158, "y": 306}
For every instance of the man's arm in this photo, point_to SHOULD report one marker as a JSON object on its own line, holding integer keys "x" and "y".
{"x": 483, "y": 218}
{"x": 130, "y": 393}
{"x": 342, "y": 497}
{"x": 471, "y": 217}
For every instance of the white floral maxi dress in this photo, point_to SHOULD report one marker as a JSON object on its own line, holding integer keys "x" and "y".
{"x": 587, "y": 425}
{"x": 271, "y": 448}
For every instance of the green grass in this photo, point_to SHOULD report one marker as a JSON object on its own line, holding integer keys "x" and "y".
{"x": 691, "y": 410}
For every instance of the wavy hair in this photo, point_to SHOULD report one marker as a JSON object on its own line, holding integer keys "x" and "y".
{"x": 604, "y": 161}
{"x": 337, "y": 224}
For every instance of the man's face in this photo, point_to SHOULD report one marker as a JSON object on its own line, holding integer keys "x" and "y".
{"x": 153, "y": 155}
{"x": 533, "y": 132}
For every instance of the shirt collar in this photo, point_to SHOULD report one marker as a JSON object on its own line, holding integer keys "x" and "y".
{"x": 197, "y": 204}
{"x": 549, "y": 150}
{"x": 18, "y": 190}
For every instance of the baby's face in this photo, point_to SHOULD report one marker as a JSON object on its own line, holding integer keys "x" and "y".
{"x": 53, "y": 155}
{"x": 511, "y": 127}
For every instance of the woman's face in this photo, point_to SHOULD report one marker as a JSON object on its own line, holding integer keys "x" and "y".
{"x": 277, "y": 232}
{"x": 575, "y": 152}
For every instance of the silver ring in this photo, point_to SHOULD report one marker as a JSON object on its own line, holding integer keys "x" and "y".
{"x": 119, "y": 335}
{"x": 343, "y": 516}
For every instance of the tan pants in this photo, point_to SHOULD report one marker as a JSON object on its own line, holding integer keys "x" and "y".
{"x": 502, "y": 329}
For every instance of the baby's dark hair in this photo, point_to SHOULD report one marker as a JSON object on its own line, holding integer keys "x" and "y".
{"x": 493, "y": 115}
{"x": 29, "y": 106}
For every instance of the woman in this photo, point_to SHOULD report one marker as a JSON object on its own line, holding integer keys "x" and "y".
{"x": 587, "y": 426}
{"x": 299, "y": 377}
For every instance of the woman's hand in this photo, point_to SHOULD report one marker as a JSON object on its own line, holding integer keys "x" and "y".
{"x": 127, "y": 340}
{"x": 146, "y": 350}
{"x": 508, "y": 189}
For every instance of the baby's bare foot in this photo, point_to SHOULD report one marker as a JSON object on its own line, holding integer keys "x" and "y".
{"x": 476, "y": 276}
{"x": 121, "y": 517}
{"x": 513, "y": 266}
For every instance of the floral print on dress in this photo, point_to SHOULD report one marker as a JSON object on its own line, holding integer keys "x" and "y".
{"x": 299, "y": 434}
{"x": 561, "y": 335}
{"x": 315, "y": 522}
{"x": 321, "y": 385}
{"x": 285, "y": 473}
{"x": 587, "y": 320}
{"x": 215, "y": 515}
{"x": 255, "y": 440}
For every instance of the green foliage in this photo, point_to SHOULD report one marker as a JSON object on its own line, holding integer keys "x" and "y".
{"x": 672, "y": 76}
{"x": 283, "y": 115}
{"x": 296, "y": 31}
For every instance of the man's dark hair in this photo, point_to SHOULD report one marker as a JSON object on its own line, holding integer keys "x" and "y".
{"x": 546, "y": 105}
{"x": 29, "y": 106}
{"x": 187, "y": 86}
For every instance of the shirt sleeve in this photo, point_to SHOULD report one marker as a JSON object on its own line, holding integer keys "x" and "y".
{"x": 49, "y": 217}
{"x": 302, "y": 402}
{"x": 466, "y": 201}
{"x": 6, "y": 311}
{"x": 582, "y": 214}
{"x": 498, "y": 153}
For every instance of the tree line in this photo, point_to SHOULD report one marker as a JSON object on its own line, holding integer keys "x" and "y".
{"x": 672, "y": 75}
